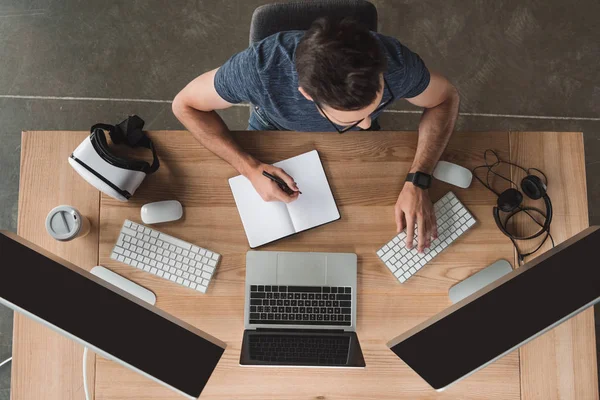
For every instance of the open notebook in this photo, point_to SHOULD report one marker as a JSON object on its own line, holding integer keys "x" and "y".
{"x": 265, "y": 222}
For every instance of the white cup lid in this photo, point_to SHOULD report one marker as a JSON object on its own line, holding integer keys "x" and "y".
{"x": 63, "y": 223}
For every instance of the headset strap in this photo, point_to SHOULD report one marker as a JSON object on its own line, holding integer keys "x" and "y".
{"x": 129, "y": 132}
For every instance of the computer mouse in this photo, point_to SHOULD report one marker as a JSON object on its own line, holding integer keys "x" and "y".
{"x": 161, "y": 211}
{"x": 453, "y": 174}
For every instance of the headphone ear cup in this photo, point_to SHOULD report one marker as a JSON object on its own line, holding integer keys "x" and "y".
{"x": 509, "y": 200}
{"x": 533, "y": 187}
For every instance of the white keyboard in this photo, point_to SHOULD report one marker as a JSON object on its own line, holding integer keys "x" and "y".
{"x": 165, "y": 256}
{"x": 453, "y": 220}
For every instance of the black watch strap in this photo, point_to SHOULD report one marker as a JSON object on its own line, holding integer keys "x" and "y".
{"x": 419, "y": 179}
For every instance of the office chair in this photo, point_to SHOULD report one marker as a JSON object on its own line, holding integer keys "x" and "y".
{"x": 299, "y": 15}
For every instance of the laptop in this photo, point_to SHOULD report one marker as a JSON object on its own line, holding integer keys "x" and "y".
{"x": 300, "y": 310}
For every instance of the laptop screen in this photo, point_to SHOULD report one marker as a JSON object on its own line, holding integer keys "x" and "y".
{"x": 507, "y": 316}
{"x": 97, "y": 315}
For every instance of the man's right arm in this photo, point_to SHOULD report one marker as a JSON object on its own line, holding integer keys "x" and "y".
{"x": 195, "y": 107}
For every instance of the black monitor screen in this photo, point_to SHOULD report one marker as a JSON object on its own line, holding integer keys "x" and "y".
{"x": 506, "y": 316}
{"x": 105, "y": 319}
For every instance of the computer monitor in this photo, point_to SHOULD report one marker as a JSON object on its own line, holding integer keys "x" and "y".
{"x": 104, "y": 318}
{"x": 506, "y": 314}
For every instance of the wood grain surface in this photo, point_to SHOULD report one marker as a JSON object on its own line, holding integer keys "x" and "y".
{"x": 366, "y": 171}
{"x": 560, "y": 364}
{"x": 46, "y": 365}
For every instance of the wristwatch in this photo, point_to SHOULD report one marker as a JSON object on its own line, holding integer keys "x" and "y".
{"x": 419, "y": 179}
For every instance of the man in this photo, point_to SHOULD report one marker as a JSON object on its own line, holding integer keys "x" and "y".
{"x": 335, "y": 76}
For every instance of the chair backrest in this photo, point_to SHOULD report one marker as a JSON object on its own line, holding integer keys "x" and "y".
{"x": 299, "y": 15}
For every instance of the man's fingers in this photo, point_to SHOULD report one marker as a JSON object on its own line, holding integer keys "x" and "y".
{"x": 434, "y": 227}
{"x": 280, "y": 195}
{"x": 287, "y": 179}
{"x": 410, "y": 230}
{"x": 276, "y": 194}
{"x": 422, "y": 232}
{"x": 427, "y": 239}
{"x": 399, "y": 220}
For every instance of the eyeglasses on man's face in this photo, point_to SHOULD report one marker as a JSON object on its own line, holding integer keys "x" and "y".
{"x": 352, "y": 126}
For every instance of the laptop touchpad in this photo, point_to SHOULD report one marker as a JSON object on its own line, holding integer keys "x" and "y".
{"x": 304, "y": 269}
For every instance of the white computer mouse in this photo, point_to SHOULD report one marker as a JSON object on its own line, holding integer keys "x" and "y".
{"x": 161, "y": 211}
{"x": 453, "y": 174}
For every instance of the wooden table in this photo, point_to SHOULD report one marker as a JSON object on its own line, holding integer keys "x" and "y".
{"x": 365, "y": 171}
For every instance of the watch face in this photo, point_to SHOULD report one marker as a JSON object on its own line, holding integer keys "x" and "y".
{"x": 422, "y": 180}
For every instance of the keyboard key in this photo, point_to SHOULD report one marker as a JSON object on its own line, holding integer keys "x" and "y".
{"x": 174, "y": 242}
{"x": 387, "y": 256}
{"x": 128, "y": 231}
{"x": 313, "y": 289}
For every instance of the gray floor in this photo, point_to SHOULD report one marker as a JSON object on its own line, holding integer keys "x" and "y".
{"x": 505, "y": 57}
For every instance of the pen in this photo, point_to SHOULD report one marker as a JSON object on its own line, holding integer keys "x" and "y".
{"x": 282, "y": 185}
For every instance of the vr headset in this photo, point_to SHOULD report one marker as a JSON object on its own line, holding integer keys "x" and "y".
{"x": 115, "y": 176}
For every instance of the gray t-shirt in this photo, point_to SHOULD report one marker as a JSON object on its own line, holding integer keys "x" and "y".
{"x": 265, "y": 76}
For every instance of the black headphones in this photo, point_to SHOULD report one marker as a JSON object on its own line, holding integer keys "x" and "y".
{"x": 510, "y": 201}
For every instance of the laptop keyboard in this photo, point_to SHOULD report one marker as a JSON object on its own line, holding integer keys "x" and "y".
{"x": 301, "y": 305}
{"x": 316, "y": 350}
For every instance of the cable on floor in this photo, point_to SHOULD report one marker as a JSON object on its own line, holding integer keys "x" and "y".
{"x": 5, "y": 361}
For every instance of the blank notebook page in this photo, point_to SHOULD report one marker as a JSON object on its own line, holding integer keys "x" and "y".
{"x": 263, "y": 221}
{"x": 315, "y": 206}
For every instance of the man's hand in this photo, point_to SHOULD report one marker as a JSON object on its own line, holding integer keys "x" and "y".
{"x": 414, "y": 206}
{"x": 269, "y": 190}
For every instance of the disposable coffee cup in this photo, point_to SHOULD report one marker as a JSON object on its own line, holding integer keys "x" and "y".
{"x": 65, "y": 223}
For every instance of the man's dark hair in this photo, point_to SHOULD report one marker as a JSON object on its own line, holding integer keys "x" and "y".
{"x": 339, "y": 64}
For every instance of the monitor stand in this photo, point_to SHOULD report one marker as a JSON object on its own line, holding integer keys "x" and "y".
{"x": 124, "y": 284}
{"x": 479, "y": 280}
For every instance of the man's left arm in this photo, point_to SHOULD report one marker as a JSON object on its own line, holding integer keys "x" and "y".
{"x": 441, "y": 102}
